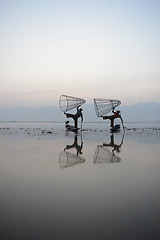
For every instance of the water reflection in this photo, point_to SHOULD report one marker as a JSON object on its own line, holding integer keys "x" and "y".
{"x": 105, "y": 153}
{"x": 67, "y": 158}
{"x": 89, "y": 201}
{"x": 75, "y": 144}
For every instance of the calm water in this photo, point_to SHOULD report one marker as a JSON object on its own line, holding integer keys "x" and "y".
{"x": 58, "y": 185}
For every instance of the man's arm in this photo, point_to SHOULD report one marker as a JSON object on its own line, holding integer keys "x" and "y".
{"x": 113, "y": 110}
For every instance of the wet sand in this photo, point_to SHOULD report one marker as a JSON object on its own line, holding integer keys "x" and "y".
{"x": 91, "y": 185}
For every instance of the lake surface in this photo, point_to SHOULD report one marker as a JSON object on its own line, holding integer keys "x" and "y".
{"x": 91, "y": 185}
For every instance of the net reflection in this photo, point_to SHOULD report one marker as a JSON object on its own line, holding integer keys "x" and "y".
{"x": 105, "y": 153}
{"x": 68, "y": 159}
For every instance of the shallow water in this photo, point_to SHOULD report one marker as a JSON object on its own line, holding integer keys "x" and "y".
{"x": 91, "y": 185}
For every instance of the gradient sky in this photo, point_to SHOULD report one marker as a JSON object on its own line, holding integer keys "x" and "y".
{"x": 102, "y": 48}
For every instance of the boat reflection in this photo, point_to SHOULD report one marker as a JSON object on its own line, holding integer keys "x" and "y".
{"x": 105, "y": 153}
{"x": 67, "y": 158}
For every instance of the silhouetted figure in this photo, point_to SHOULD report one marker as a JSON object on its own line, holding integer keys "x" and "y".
{"x": 106, "y": 153}
{"x": 75, "y": 145}
{"x": 116, "y": 147}
{"x": 75, "y": 116}
{"x": 113, "y": 117}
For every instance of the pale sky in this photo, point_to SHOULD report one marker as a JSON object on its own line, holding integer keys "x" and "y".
{"x": 83, "y": 48}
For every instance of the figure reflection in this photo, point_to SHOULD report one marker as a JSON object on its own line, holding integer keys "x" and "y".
{"x": 68, "y": 159}
{"x": 75, "y": 144}
{"x": 106, "y": 153}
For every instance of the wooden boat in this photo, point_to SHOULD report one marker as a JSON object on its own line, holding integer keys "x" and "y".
{"x": 70, "y": 127}
{"x": 116, "y": 128}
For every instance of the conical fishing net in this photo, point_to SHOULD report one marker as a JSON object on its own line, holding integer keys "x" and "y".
{"x": 67, "y": 159}
{"x": 67, "y": 103}
{"x": 103, "y": 155}
{"x": 104, "y": 106}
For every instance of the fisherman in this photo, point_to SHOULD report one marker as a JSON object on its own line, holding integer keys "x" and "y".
{"x": 116, "y": 147}
{"x": 113, "y": 117}
{"x": 75, "y": 116}
{"x": 76, "y": 145}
